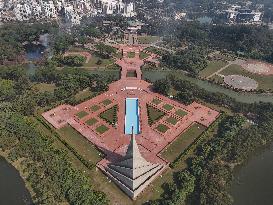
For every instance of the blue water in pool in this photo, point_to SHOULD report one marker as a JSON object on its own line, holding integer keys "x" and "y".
{"x": 132, "y": 116}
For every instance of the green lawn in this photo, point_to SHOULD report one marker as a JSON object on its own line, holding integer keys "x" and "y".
{"x": 95, "y": 108}
{"x": 180, "y": 113}
{"x": 102, "y": 129}
{"x": 81, "y": 114}
{"x": 154, "y": 114}
{"x": 172, "y": 120}
{"x": 110, "y": 115}
{"x": 106, "y": 102}
{"x": 97, "y": 61}
{"x": 147, "y": 39}
{"x": 131, "y": 54}
{"x": 162, "y": 128}
{"x": 184, "y": 140}
{"x": 168, "y": 107}
{"x": 156, "y": 101}
{"x": 131, "y": 73}
{"x": 265, "y": 82}
{"x": 212, "y": 67}
{"x": 81, "y": 145}
{"x": 91, "y": 121}
{"x": 143, "y": 55}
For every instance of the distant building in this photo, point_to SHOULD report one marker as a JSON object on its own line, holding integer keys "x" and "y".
{"x": 236, "y": 14}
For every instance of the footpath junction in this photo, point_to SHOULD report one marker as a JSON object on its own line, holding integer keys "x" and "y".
{"x": 131, "y": 144}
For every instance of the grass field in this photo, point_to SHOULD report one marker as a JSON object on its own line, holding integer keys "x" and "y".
{"x": 156, "y": 101}
{"x": 97, "y": 61}
{"x": 131, "y": 73}
{"x": 143, "y": 55}
{"x": 172, "y": 120}
{"x": 106, "y": 102}
{"x": 102, "y": 129}
{"x": 180, "y": 113}
{"x": 110, "y": 115}
{"x": 184, "y": 140}
{"x": 44, "y": 87}
{"x": 154, "y": 114}
{"x": 212, "y": 67}
{"x": 80, "y": 144}
{"x": 217, "y": 79}
{"x": 147, "y": 39}
{"x": 81, "y": 114}
{"x": 162, "y": 128}
{"x": 95, "y": 108}
{"x": 168, "y": 107}
{"x": 131, "y": 54}
{"x": 91, "y": 121}
{"x": 265, "y": 82}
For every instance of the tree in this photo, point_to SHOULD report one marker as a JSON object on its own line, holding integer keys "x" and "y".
{"x": 162, "y": 86}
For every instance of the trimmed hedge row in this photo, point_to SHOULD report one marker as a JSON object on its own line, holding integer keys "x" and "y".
{"x": 86, "y": 163}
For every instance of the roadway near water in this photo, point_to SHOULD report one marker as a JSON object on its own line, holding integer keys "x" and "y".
{"x": 241, "y": 97}
{"x": 253, "y": 183}
{"x": 12, "y": 186}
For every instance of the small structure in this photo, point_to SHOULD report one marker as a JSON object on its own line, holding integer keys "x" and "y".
{"x": 133, "y": 173}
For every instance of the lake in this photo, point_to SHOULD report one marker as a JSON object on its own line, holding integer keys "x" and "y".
{"x": 253, "y": 183}
{"x": 12, "y": 186}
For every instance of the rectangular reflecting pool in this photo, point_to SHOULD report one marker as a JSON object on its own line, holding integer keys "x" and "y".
{"x": 132, "y": 116}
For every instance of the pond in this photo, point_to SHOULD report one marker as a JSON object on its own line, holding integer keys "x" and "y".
{"x": 12, "y": 186}
{"x": 253, "y": 183}
{"x": 153, "y": 75}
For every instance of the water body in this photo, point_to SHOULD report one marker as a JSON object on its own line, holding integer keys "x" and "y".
{"x": 12, "y": 186}
{"x": 241, "y": 97}
{"x": 253, "y": 183}
{"x": 132, "y": 116}
{"x": 204, "y": 20}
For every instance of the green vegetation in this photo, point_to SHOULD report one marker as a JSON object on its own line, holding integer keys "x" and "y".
{"x": 162, "y": 128}
{"x": 72, "y": 60}
{"x": 131, "y": 54}
{"x": 182, "y": 142}
{"x": 81, "y": 114}
{"x": 172, "y": 120}
{"x": 181, "y": 113}
{"x": 147, "y": 39}
{"x": 264, "y": 81}
{"x": 131, "y": 73}
{"x": 102, "y": 129}
{"x": 84, "y": 95}
{"x": 168, "y": 107}
{"x": 97, "y": 61}
{"x": 157, "y": 51}
{"x": 80, "y": 144}
{"x": 110, "y": 115}
{"x": 91, "y": 121}
{"x": 106, "y": 102}
{"x": 143, "y": 55}
{"x": 156, "y": 101}
{"x": 95, "y": 108}
{"x": 154, "y": 114}
{"x": 44, "y": 87}
{"x": 162, "y": 86}
{"x": 213, "y": 66}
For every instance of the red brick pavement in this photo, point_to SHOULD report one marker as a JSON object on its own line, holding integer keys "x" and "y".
{"x": 114, "y": 142}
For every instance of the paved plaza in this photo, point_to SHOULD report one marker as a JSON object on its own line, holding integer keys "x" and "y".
{"x": 110, "y": 139}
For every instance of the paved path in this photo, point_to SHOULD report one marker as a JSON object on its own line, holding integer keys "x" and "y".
{"x": 236, "y": 62}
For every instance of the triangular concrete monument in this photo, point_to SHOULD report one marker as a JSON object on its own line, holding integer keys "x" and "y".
{"x": 133, "y": 173}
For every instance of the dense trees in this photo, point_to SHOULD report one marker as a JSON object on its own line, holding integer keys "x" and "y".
{"x": 50, "y": 174}
{"x": 212, "y": 164}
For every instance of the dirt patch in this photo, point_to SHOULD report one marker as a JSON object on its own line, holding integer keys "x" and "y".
{"x": 258, "y": 67}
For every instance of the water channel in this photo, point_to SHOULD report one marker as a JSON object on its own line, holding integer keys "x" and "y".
{"x": 12, "y": 186}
